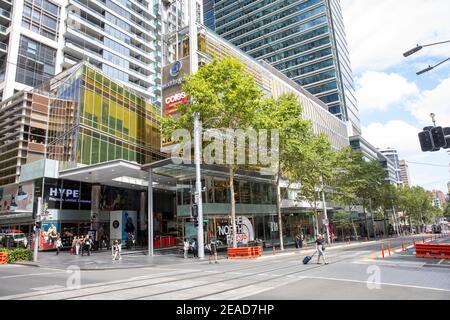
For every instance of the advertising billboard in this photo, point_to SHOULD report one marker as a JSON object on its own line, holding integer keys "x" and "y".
{"x": 122, "y": 223}
{"x": 17, "y": 198}
{"x": 48, "y": 235}
{"x": 173, "y": 76}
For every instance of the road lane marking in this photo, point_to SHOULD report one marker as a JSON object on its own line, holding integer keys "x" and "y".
{"x": 47, "y": 288}
{"x": 30, "y": 274}
{"x": 380, "y": 283}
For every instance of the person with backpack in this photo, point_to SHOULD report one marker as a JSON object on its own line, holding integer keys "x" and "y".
{"x": 194, "y": 247}
{"x": 212, "y": 251}
{"x": 320, "y": 247}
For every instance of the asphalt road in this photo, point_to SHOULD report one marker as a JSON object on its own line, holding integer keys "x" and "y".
{"x": 354, "y": 272}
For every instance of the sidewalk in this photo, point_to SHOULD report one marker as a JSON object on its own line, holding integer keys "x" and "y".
{"x": 102, "y": 261}
{"x": 136, "y": 259}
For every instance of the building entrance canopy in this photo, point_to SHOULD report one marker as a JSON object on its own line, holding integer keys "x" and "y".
{"x": 122, "y": 173}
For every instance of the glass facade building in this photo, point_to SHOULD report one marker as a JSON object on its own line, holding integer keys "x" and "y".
{"x": 94, "y": 119}
{"x": 304, "y": 39}
{"x": 41, "y": 38}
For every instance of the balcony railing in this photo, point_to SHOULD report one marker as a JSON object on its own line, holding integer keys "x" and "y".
{"x": 3, "y": 46}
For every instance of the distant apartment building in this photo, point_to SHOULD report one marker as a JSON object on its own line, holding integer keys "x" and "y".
{"x": 392, "y": 155}
{"x": 371, "y": 153}
{"x": 41, "y": 38}
{"x": 404, "y": 173}
{"x": 439, "y": 198}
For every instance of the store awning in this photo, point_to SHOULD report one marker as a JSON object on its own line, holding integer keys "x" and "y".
{"x": 175, "y": 168}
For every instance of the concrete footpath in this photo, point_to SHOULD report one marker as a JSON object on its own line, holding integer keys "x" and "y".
{"x": 103, "y": 260}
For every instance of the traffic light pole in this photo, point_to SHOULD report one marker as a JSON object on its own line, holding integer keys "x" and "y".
{"x": 36, "y": 229}
{"x": 198, "y": 184}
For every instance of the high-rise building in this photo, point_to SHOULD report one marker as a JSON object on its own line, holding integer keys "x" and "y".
{"x": 392, "y": 155}
{"x": 371, "y": 153}
{"x": 41, "y": 38}
{"x": 404, "y": 173}
{"x": 439, "y": 199}
{"x": 304, "y": 39}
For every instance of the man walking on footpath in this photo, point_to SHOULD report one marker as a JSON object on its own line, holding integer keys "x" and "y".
{"x": 320, "y": 247}
{"x": 212, "y": 251}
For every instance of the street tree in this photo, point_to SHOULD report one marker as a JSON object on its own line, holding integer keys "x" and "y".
{"x": 314, "y": 170}
{"x": 226, "y": 97}
{"x": 284, "y": 114}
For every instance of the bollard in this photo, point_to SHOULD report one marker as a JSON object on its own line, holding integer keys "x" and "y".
{"x": 273, "y": 249}
{"x": 403, "y": 246}
{"x": 423, "y": 239}
{"x": 382, "y": 250}
{"x": 414, "y": 243}
{"x": 389, "y": 248}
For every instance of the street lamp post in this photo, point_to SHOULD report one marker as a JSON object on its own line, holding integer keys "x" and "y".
{"x": 420, "y": 47}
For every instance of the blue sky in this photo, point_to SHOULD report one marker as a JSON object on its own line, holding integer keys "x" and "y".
{"x": 394, "y": 102}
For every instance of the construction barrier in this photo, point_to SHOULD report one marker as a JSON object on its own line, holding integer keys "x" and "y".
{"x": 435, "y": 251}
{"x": 3, "y": 257}
{"x": 244, "y": 253}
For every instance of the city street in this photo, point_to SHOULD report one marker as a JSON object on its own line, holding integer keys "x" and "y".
{"x": 356, "y": 271}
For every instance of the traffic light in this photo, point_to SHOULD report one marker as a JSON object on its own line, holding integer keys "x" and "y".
{"x": 447, "y": 137}
{"x": 426, "y": 141}
{"x": 196, "y": 223}
{"x": 194, "y": 211}
{"x": 38, "y": 224}
{"x": 438, "y": 136}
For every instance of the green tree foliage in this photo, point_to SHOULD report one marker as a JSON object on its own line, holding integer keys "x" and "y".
{"x": 226, "y": 97}
{"x": 285, "y": 115}
{"x": 446, "y": 212}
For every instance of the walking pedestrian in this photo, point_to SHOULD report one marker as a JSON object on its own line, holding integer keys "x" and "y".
{"x": 58, "y": 244}
{"x": 117, "y": 250}
{"x": 89, "y": 245}
{"x": 186, "y": 248}
{"x": 74, "y": 245}
{"x": 320, "y": 247}
{"x": 79, "y": 246}
{"x": 194, "y": 247}
{"x": 212, "y": 251}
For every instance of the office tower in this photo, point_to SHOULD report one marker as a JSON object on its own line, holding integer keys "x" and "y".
{"x": 404, "y": 173}
{"x": 45, "y": 37}
{"x": 371, "y": 153}
{"x": 305, "y": 40}
{"x": 392, "y": 155}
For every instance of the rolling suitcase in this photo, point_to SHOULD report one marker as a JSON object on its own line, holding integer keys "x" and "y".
{"x": 307, "y": 259}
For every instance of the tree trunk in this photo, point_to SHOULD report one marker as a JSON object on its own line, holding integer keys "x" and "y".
{"x": 280, "y": 221}
{"x": 233, "y": 207}
{"x": 367, "y": 223}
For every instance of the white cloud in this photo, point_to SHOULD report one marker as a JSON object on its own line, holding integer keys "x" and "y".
{"x": 379, "y": 91}
{"x": 403, "y": 137}
{"x": 435, "y": 101}
{"x": 396, "y": 134}
{"x": 378, "y": 32}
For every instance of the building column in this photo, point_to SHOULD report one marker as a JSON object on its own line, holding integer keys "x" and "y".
{"x": 95, "y": 206}
{"x": 150, "y": 212}
{"x": 142, "y": 201}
